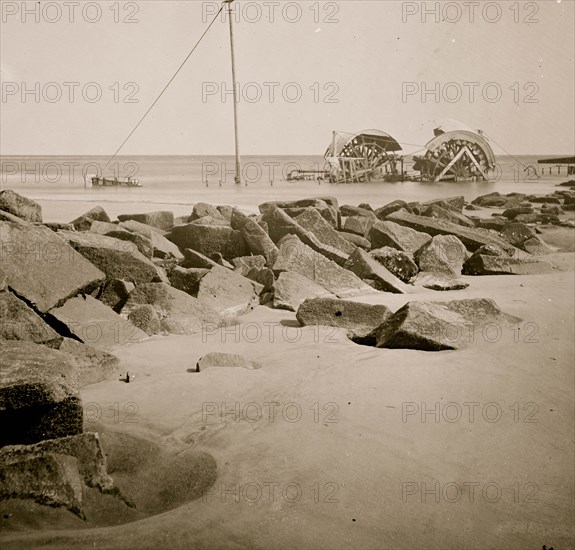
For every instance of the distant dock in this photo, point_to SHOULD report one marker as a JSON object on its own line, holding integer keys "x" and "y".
{"x": 561, "y": 163}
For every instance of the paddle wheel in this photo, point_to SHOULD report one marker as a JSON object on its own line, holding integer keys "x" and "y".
{"x": 458, "y": 155}
{"x": 363, "y": 157}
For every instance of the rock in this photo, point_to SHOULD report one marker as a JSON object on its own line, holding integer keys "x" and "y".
{"x": 92, "y": 365}
{"x": 142, "y": 244}
{"x": 226, "y": 292}
{"x": 162, "y": 220}
{"x": 95, "y": 324}
{"x": 42, "y": 268}
{"x": 145, "y": 318}
{"x": 471, "y": 238}
{"x": 511, "y": 213}
{"x": 202, "y": 209}
{"x": 280, "y": 225}
{"x": 365, "y": 206}
{"x": 196, "y": 260}
{"x": 51, "y": 479}
{"x": 435, "y": 211}
{"x": 439, "y": 282}
{"x": 258, "y": 242}
{"x": 397, "y": 262}
{"x": 20, "y": 322}
{"x": 226, "y": 211}
{"x": 525, "y": 238}
{"x": 117, "y": 259}
{"x": 356, "y": 240}
{"x": 524, "y": 218}
{"x": 22, "y": 207}
{"x": 536, "y": 247}
{"x": 312, "y": 220}
{"x": 103, "y": 228}
{"x": 114, "y": 293}
{"x": 348, "y": 211}
{"x": 547, "y": 219}
{"x": 297, "y": 256}
{"x": 359, "y": 225}
{"x": 384, "y": 211}
{"x": 391, "y": 234}
{"x": 443, "y": 255}
{"x": 210, "y": 220}
{"x": 38, "y": 394}
{"x": 292, "y": 288}
{"x": 209, "y": 240}
{"x": 496, "y": 224}
{"x": 179, "y": 312}
{"x": 491, "y": 200}
{"x": 454, "y": 204}
{"x": 552, "y": 209}
{"x": 480, "y": 264}
{"x": 163, "y": 248}
{"x": 371, "y": 271}
{"x": 359, "y": 320}
{"x": 7, "y": 217}
{"x": 479, "y": 311}
{"x": 187, "y": 280}
{"x": 84, "y": 222}
{"x": 549, "y": 199}
{"x": 225, "y": 360}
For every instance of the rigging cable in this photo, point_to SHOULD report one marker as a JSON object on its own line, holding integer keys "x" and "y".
{"x": 166, "y": 86}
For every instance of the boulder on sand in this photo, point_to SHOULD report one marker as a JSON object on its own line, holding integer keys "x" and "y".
{"x": 397, "y": 262}
{"x": 146, "y": 318}
{"x": 388, "y": 233}
{"x": 114, "y": 293}
{"x": 258, "y": 242}
{"x": 209, "y": 240}
{"x": 386, "y": 210}
{"x": 356, "y": 240}
{"x": 163, "y": 248}
{"x": 439, "y": 282}
{"x": 84, "y": 222}
{"x": 368, "y": 269}
{"x": 483, "y": 264}
{"x": 92, "y": 365}
{"x": 38, "y": 394}
{"x": 523, "y": 237}
{"x": 96, "y": 324}
{"x": 20, "y": 322}
{"x": 42, "y": 268}
{"x": 297, "y": 256}
{"x": 216, "y": 359}
{"x": 22, "y": 207}
{"x": 313, "y": 221}
{"x": 117, "y": 259}
{"x": 443, "y": 255}
{"x": 202, "y": 209}
{"x": 142, "y": 244}
{"x": 179, "y": 312}
{"x": 187, "y": 279}
{"x": 163, "y": 219}
{"x": 359, "y": 225}
{"x": 359, "y": 320}
{"x": 292, "y": 288}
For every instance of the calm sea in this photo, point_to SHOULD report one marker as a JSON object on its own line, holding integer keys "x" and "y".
{"x": 175, "y": 182}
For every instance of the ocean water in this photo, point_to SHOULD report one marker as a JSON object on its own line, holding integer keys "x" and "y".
{"x": 176, "y": 182}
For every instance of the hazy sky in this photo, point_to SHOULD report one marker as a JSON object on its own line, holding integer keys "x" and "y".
{"x": 357, "y": 64}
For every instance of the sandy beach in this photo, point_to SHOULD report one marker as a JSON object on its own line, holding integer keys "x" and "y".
{"x": 336, "y": 445}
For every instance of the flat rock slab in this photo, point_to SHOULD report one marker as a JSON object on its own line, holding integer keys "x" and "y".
{"x": 400, "y": 263}
{"x": 20, "y": 322}
{"x": 359, "y": 225}
{"x": 179, "y": 312}
{"x": 163, "y": 248}
{"x": 313, "y": 221}
{"x": 369, "y": 269}
{"x": 92, "y": 365}
{"x": 227, "y": 292}
{"x": 433, "y": 281}
{"x": 359, "y": 320}
{"x": 163, "y": 219}
{"x": 22, "y": 207}
{"x": 481, "y": 264}
{"x": 225, "y": 360}
{"x": 43, "y": 268}
{"x": 402, "y": 238}
{"x": 443, "y": 255}
{"x": 297, "y": 256}
{"x": 84, "y": 222}
{"x": 38, "y": 394}
{"x": 96, "y": 324}
{"x": 292, "y": 288}
{"x": 471, "y": 238}
{"x": 258, "y": 241}
{"x": 116, "y": 258}
{"x": 209, "y": 240}
{"x": 187, "y": 279}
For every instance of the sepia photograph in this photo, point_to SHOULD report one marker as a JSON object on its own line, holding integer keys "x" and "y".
{"x": 287, "y": 275}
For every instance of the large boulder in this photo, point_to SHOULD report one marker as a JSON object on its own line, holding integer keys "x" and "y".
{"x": 95, "y": 324}
{"x": 196, "y": 260}
{"x": 84, "y": 222}
{"x": 146, "y": 318}
{"x": 202, "y": 209}
{"x": 399, "y": 263}
{"x": 356, "y": 240}
{"x": 163, "y": 219}
{"x": 484, "y": 264}
{"x": 216, "y": 359}
{"x": 92, "y": 365}
{"x": 388, "y": 233}
{"x": 436, "y": 211}
{"x": 142, "y": 244}
{"x": 20, "y": 322}
{"x": 42, "y": 268}
{"x": 226, "y": 292}
{"x": 258, "y": 242}
{"x": 163, "y": 248}
{"x": 327, "y": 206}
{"x": 38, "y": 394}
{"x": 187, "y": 279}
{"x": 359, "y": 320}
{"x": 439, "y": 282}
{"x": 394, "y": 206}
{"x": 117, "y": 259}
{"x": 179, "y": 312}
{"x": 523, "y": 237}
{"x": 358, "y": 225}
{"x": 22, "y": 207}
{"x": 443, "y": 255}
{"x": 370, "y": 270}
{"x": 292, "y": 288}
{"x": 297, "y": 256}
{"x": 348, "y": 211}
{"x": 114, "y": 293}
{"x": 455, "y": 204}
{"x": 471, "y": 238}
{"x": 209, "y": 240}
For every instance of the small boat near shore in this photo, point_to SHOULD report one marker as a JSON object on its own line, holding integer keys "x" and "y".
{"x": 115, "y": 182}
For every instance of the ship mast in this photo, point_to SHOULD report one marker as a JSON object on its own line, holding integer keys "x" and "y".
{"x": 237, "y": 178}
